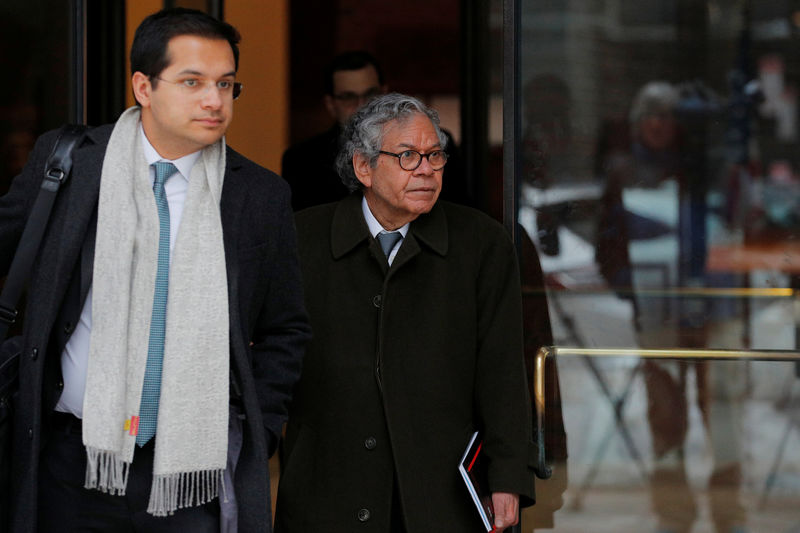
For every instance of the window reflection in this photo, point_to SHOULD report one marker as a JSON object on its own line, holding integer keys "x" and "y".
{"x": 661, "y": 188}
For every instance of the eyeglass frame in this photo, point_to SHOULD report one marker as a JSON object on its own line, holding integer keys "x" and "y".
{"x": 419, "y": 161}
{"x": 236, "y": 86}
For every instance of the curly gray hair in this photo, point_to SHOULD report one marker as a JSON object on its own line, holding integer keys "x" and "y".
{"x": 364, "y": 131}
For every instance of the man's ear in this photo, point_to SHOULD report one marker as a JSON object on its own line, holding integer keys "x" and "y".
{"x": 362, "y": 169}
{"x": 141, "y": 88}
{"x": 328, "y": 99}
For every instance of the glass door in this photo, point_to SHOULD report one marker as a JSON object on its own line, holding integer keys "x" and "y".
{"x": 655, "y": 172}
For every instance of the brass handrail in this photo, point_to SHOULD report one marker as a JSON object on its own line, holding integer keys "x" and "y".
{"x": 710, "y": 292}
{"x": 543, "y": 470}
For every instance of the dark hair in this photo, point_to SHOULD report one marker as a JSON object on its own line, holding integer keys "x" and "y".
{"x": 149, "y": 49}
{"x": 352, "y": 60}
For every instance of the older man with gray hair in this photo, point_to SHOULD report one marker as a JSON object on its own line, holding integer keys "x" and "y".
{"x": 416, "y": 309}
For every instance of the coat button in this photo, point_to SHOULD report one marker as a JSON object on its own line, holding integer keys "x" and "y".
{"x": 363, "y": 515}
{"x": 376, "y": 301}
{"x": 30, "y": 433}
{"x": 68, "y": 328}
{"x": 34, "y": 353}
{"x": 370, "y": 443}
{"x": 60, "y": 385}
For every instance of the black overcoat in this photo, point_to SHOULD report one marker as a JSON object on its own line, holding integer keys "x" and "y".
{"x": 406, "y": 362}
{"x": 268, "y": 324}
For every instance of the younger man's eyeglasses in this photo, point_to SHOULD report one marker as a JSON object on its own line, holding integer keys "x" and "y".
{"x": 352, "y": 99}
{"x": 196, "y": 86}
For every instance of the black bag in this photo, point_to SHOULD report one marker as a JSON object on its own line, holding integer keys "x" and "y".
{"x": 9, "y": 384}
{"x": 57, "y": 170}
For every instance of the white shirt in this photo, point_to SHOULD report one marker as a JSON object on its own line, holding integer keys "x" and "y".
{"x": 375, "y": 228}
{"x": 75, "y": 357}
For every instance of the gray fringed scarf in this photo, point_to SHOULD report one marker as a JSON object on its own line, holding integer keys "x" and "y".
{"x": 191, "y": 436}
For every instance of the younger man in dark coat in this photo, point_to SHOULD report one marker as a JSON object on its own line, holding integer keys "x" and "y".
{"x": 164, "y": 326}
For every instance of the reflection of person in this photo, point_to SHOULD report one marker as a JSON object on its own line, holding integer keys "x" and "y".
{"x": 414, "y": 348}
{"x": 351, "y": 80}
{"x": 547, "y": 150}
{"x": 536, "y": 322}
{"x": 547, "y": 137}
{"x": 652, "y": 168}
{"x": 165, "y": 322}
{"x": 645, "y": 159}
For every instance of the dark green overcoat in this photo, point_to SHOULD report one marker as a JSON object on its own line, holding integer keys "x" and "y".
{"x": 406, "y": 362}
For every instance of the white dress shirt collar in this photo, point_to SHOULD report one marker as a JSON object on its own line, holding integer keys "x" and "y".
{"x": 375, "y": 226}
{"x": 183, "y": 164}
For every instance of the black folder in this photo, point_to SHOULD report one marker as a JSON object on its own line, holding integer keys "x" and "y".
{"x": 473, "y": 471}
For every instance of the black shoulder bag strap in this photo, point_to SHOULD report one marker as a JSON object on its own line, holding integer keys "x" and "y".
{"x": 56, "y": 172}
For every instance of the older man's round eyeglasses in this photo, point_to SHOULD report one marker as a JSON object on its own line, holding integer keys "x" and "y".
{"x": 197, "y": 86}
{"x": 411, "y": 159}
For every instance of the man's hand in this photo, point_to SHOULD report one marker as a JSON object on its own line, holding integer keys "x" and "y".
{"x": 506, "y": 510}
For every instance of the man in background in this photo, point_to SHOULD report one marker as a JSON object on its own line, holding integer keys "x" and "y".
{"x": 352, "y": 79}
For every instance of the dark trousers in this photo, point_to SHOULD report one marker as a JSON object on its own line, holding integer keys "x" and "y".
{"x": 66, "y": 506}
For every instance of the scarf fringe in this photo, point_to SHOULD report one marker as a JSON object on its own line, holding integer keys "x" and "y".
{"x": 106, "y": 472}
{"x": 170, "y": 492}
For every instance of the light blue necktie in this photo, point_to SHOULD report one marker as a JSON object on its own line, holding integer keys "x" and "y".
{"x": 387, "y": 241}
{"x": 148, "y": 410}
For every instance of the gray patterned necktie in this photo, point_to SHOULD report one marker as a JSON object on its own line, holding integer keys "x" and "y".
{"x": 387, "y": 241}
{"x": 151, "y": 391}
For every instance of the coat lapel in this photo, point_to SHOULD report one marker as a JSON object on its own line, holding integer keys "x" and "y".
{"x": 232, "y": 202}
{"x": 428, "y": 230}
{"x": 349, "y": 229}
